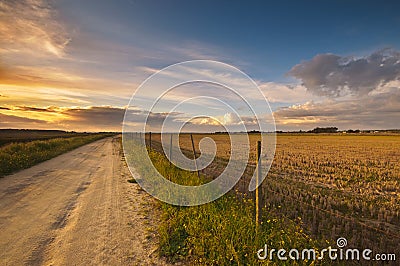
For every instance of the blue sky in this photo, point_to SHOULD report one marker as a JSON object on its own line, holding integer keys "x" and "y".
{"x": 266, "y": 39}
{"x": 313, "y": 60}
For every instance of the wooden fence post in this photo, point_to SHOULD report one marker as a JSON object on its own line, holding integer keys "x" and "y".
{"x": 194, "y": 155}
{"x": 150, "y": 140}
{"x": 258, "y": 189}
{"x": 170, "y": 150}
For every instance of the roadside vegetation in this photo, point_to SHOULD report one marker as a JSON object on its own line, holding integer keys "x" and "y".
{"x": 222, "y": 232}
{"x": 20, "y": 155}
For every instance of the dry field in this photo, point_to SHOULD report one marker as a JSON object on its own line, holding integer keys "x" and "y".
{"x": 362, "y": 164}
{"x": 335, "y": 185}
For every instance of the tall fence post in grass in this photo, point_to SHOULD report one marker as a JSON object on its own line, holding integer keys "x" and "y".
{"x": 258, "y": 189}
{"x": 170, "y": 149}
{"x": 150, "y": 140}
{"x": 194, "y": 155}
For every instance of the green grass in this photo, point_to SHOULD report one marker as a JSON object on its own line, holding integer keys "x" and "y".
{"x": 222, "y": 232}
{"x": 17, "y": 156}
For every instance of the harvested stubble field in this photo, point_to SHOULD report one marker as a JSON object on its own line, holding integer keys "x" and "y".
{"x": 337, "y": 185}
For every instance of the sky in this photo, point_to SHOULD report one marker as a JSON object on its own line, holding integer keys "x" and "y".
{"x": 74, "y": 65}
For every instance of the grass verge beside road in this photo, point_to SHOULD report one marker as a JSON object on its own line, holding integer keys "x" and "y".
{"x": 17, "y": 156}
{"x": 222, "y": 232}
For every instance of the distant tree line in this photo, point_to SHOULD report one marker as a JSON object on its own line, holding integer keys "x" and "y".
{"x": 320, "y": 130}
{"x": 324, "y": 130}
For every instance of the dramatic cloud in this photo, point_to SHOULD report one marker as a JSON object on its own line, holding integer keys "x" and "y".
{"x": 12, "y": 121}
{"x": 229, "y": 119}
{"x": 37, "y": 54}
{"x": 93, "y": 118}
{"x": 333, "y": 75}
{"x": 109, "y": 118}
{"x": 283, "y": 93}
{"x": 29, "y": 26}
{"x": 97, "y": 118}
{"x": 382, "y": 111}
{"x": 36, "y": 109}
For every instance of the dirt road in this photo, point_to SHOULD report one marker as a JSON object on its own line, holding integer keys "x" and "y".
{"x": 77, "y": 209}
